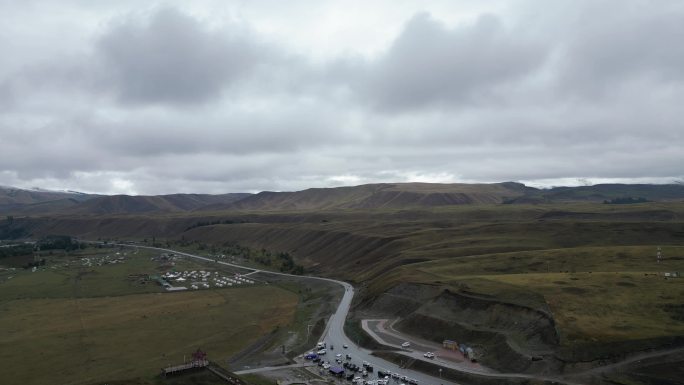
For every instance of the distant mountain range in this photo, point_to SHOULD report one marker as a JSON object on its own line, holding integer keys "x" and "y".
{"x": 17, "y": 201}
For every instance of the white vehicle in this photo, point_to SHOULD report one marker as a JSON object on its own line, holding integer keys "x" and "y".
{"x": 357, "y": 380}
{"x": 326, "y": 366}
{"x": 338, "y": 355}
{"x": 321, "y": 352}
{"x": 382, "y": 382}
{"x": 395, "y": 375}
{"x": 406, "y": 344}
{"x": 345, "y": 346}
{"x": 429, "y": 355}
{"x": 320, "y": 345}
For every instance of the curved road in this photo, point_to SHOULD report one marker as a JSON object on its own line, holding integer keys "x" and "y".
{"x": 334, "y": 333}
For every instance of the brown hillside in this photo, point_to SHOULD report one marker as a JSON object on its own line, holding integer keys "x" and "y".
{"x": 372, "y": 196}
{"x": 10, "y": 196}
{"x": 126, "y": 204}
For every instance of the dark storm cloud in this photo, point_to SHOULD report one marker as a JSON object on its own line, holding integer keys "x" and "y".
{"x": 174, "y": 58}
{"x": 430, "y": 64}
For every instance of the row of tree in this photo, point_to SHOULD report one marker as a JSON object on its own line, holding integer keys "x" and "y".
{"x": 625, "y": 201}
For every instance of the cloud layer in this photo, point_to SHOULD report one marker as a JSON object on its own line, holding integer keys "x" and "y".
{"x": 227, "y": 97}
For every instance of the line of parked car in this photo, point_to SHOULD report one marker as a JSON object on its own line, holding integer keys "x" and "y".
{"x": 352, "y": 372}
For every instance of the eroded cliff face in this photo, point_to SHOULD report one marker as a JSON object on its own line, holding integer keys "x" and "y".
{"x": 507, "y": 335}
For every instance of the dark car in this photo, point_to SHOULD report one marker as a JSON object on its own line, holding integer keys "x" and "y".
{"x": 369, "y": 368}
{"x": 350, "y": 376}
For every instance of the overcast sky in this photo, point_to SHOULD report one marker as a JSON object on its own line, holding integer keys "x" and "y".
{"x": 231, "y": 96}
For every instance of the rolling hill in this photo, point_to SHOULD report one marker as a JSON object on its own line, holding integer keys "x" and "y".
{"x": 602, "y": 192}
{"x": 10, "y": 196}
{"x": 17, "y": 201}
{"x": 377, "y": 196}
{"x": 126, "y": 204}
{"x": 363, "y": 197}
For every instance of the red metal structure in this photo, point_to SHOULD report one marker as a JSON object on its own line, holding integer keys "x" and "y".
{"x": 199, "y": 356}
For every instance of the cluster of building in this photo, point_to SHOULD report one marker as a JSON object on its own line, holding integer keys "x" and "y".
{"x": 106, "y": 260}
{"x": 200, "y": 279}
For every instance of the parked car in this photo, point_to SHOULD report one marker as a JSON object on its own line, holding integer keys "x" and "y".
{"x": 321, "y": 352}
{"x": 364, "y": 374}
{"x": 345, "y": 346}
{"x": 429, "y": 355}
{"x": 348, "y": 357}
{"x": 406, "y": 344}
{"x": 395, "y": 375}
{"x": 350, "y": 376}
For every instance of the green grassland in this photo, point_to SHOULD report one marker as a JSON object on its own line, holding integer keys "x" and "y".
{"x": 84, "y": 325}
{"x": 582, "y": 262}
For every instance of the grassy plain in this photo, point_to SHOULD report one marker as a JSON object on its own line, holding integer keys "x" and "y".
{"x": 83, "y": 325}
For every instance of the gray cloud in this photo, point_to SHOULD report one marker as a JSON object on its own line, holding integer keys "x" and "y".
{"x": 177, "y": 99}
{"x": 173, "y": 58}
{"x": 430, "y": 64}
{"x": 619, "y": 45}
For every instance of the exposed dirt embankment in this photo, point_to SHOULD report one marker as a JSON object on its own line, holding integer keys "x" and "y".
{"x": 535, "y": 327}
{"x": 507, "y": 335}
